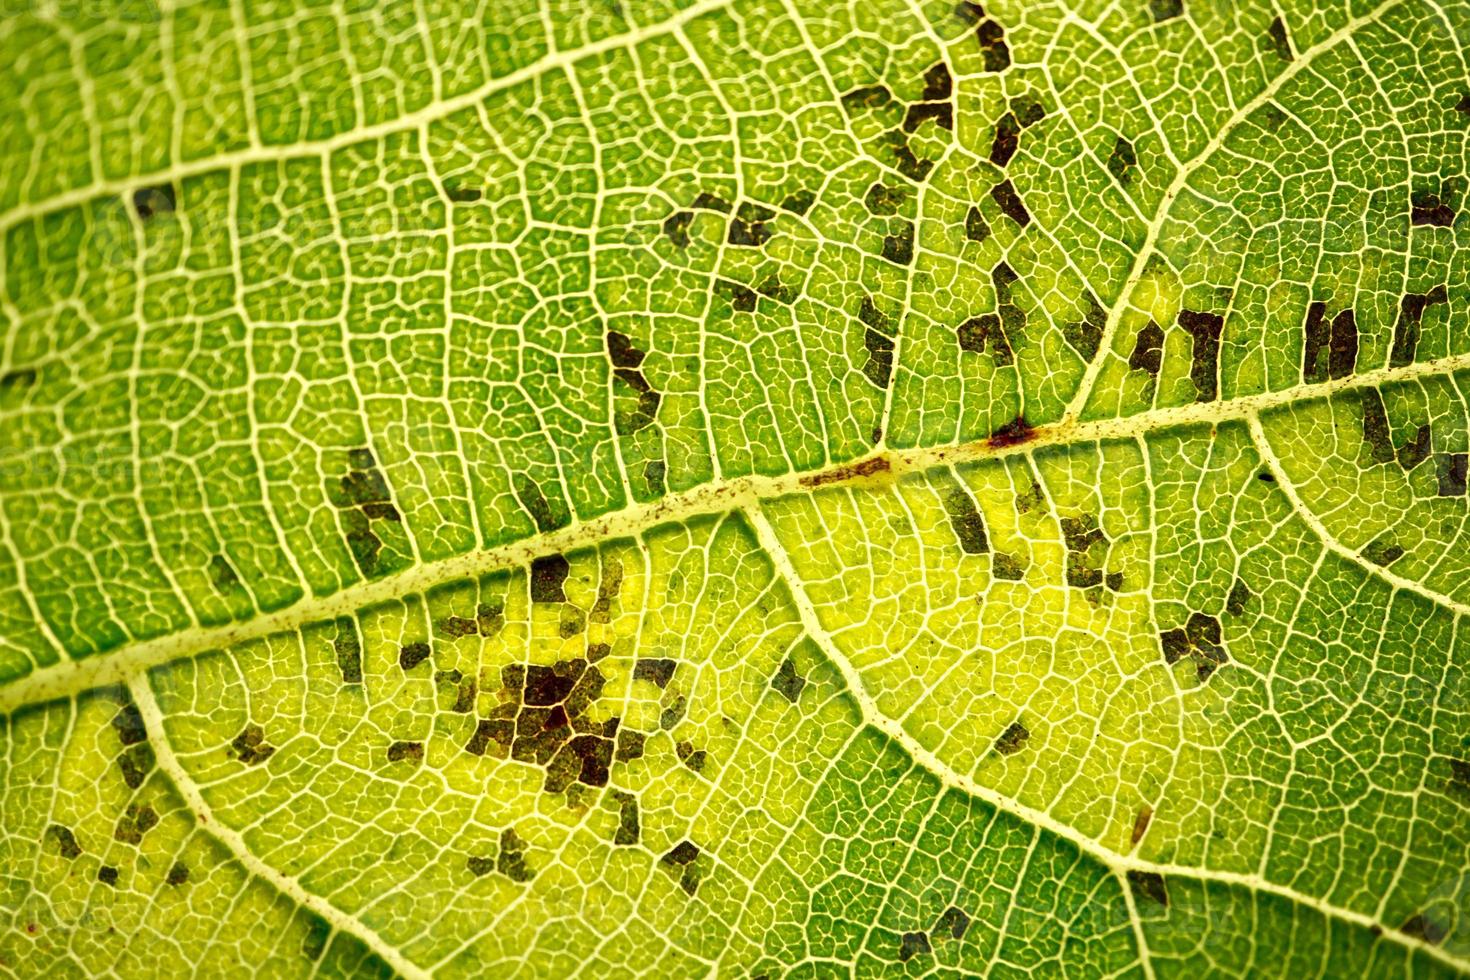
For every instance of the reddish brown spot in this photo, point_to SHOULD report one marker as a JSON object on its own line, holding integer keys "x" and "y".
{"x": 1140, "y": 823}
{"x": 1014, "y": 433}
{"x": 853, "y": 471}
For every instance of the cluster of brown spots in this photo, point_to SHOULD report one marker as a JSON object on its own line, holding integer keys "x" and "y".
{"x": 1013, "y": 739}
{"x": 965, "y": 521}
{"x": 1378, "y": 438}
{"x": 154, "y": 200}
{"x": 1012, "y": 318}
{"x": 511, "y": 861}
{"x": 1205, "y": 328}
{"x": 787, "y": 682}
{"x": 1383, "y": 550}
{"x": 1123, "y": 161}
{"x": 748, "y": 227}
{"x": 1149, "y": 885}
{"x": 683, "y": 860}
{"x": 1086, "y": 334}
{"x": 250, "y": 746}
{"x": 1277, "y": 37}
{"x": 912, "y": 944}
{"x": 988, "y": 33}
{"x": 1199, "y": 640}
{"x": 851, "y": 471}
{"x": 348, "y": 650}
{"x": 135, "y": 761}
{"x": 627, "y": 363}
{"x": 1148, "y": 350}
{"x": 362, "y": 497}
{"x": 1426, "y": 208}
{"x": 136, "y": 821}
{"x": 1406, "y": 328}
{"x": 877, "y": 341}
{"x": 934, "y": 103}
{"x": 547, "y": 518}
{"x": 1339, "y": 342}
{"x": 1010, "y": 204}
{"x": 1087, "y": 552}
{"x": 658, "y": 670}
{"x": 459, "y": 688}
{"x": 542, "y": 719}
{"x": 65, "y": 841}
{"x": 690, "y": 756}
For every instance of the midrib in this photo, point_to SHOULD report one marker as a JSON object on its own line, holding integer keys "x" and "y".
{"x": 72, "y": 677}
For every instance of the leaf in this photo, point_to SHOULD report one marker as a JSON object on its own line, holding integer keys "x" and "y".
{"x": 666, "y": 487}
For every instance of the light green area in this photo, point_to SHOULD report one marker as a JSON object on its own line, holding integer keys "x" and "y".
{"x": 365, "y": 317}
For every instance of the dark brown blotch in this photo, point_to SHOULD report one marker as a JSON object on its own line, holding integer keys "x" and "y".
{"x": 913, "y": 944}
{"x": 1206, "y": 329}
{"x": 136, "y": 821}
{"x": 1277, "y": 37}
{"x": 65, "y": 841}
{"x": 250, "y": 746}
{"x": 1406, "y": 329}
{"x": 548, "y": 578}
{"x": 1010, "y": 204}
{"x": 1148, "y": 350}
{"x": 787, "y": 682}
{"x": 1013, "y": 739}
{"x": 1149, "y": 886}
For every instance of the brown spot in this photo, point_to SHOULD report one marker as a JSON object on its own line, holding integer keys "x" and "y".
{"x": 1149, "y": 885}
{"x": 852, "y": 471}
{"x": 976, "y": 227}
{"x": 1406, "y": 328}
{"x": 1016, "y": 432}
{"x": 676, "y": 228}
{"x": 1123, "y": 161}
{"x": 628, "y": 831}
{"x": 410, "y": 655}
{"x": 1451, "y": 472}
{"x": 406, "y": 752}
{"x": 512, "y": 859}
{"x": 1429, "y": 209}
{"x": 1280, "y": 43}
{"x": 1013, "y": 739}
{"x": 250, "y": 746}
{"x": 1148, "y": 349}
{"x": 953, "y": 921}
{"x": 787, "y": 682}
{"x": 965, "y": 521}
{"x": 979, "y": 332}
{"x": 913, "y": 944}
{"x": 136, "y": 821}
{"x": 1006, "y": 141}
{"x": 993, "y": 48}
{"x": 178, "y": 874}
{"x": 548, "y": 578}
{"x": 1206, "y": 329}
{"x": 659, "y": 670}
{"x": 1010, "y": 204}
{"x": 1140, "y": 824}
{"x": 65, "y": 840}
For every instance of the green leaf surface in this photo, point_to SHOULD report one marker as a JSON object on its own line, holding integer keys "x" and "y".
{"x": 735, "y": 487}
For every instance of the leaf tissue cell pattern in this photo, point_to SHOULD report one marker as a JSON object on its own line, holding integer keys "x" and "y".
{"x": 735, "y": 487}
